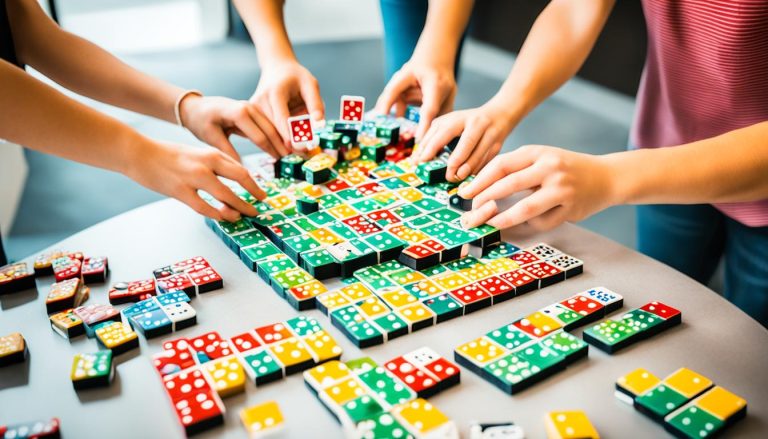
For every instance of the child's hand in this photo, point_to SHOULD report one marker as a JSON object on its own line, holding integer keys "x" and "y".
{"x": 180, "y": 171}
{"x": 213, "y": 119}
{"x": 419, "y": 83}
{"x": 287, "y": 89}
{"x": 482, "y": 132}
{"x": 567, "y": 186}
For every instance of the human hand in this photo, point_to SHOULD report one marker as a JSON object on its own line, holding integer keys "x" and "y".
{"x": 482, "y": 130}
{"x": 180, "y": 171}
{"x": 213, "y": 119}
{"x": 567, "y": 186}
{"x": 285, "y": 89}
{"x": 431, "y": 86}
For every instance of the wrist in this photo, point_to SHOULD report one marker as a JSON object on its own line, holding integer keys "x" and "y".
{"x": 623, "y": 177}
{"x": 132, "y": 150}
{"x": 187, "y": 105}
{"x": 501, "y": 111}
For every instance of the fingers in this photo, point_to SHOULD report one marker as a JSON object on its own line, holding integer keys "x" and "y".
{"x": 488, "y": 144}
{"x": 254, "y": 133}
{"x": 310, "y": 93}
{"x": 479, "y": 216}
{"x": 529, "y": 207}
{"x": 279, "y": 105}
{"x": 438, "y": 136}
{"x": 224, "y": 194}
{"x": 497, "y": 169}
{"x": 221, "y": 141}
{"x": 273, "y": 137}
{"x": 469, "y": 140}
{"x": 236, "y": 172}
{"x": 392, "y": 92}
{"x": 528, "y": 178}
{"x": 430, "y": 106}
{"x": 197, "y": 204}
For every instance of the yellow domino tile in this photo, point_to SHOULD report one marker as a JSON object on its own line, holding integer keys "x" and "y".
{"x": 638, "y": 381}
{"x": 570, "y": 425}
{"x": 502, "y": 265}
{"x": 410, "y": 194}
{"x": 476, "y": 273}
{"x": 542, "y": 323}
{"x": 421, "y": 415}
{"x": 115, "y": 334}
{"x": 373, "y": 307}
{"x": 326, "y": 374}
{"x": 262, "y": 418}
{"x": 687, "y": 382}
{"x": 325, "y": 236}
{"x": 384, "y": 197}
{"x": 332, "y": 300}
{"x": 342, "y": 211}
{"x": 279, "y": 202}
{"x": 227, "y": 375}
{"x": 291, "y": 352}
{"x": 721, "y": 403}
{"x": 344, "y": 391}
{"x": 312, "y": 190}
{"x": 322, "y": 346}
{"x": 408, "y": 234}
{"x": 481, "y": 350}
{"x": 411, "y": 179}
{"x": 451, "y": 281}
{"x": 398, "y": 298}
{"x": 65, "y": 320}
{"x": 428, "y": 288}
{"x": 415, "y": 313}
{"x": 356, "y": 291}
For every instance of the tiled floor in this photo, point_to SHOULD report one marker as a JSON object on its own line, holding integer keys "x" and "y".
{"x": 62, "y": 197}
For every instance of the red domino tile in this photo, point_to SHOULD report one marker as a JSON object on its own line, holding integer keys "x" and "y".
{"x": 469, "y": 294}
{"x": 211, "y": 344}
{"x": 273, "y": 333}
{"x": 134, "y": 291}
{"x": 70, "y": 270}
{"x": 443, "y": 369}
{"x": 582, "y": 305}
{"x": 245, "y": 342}
{"x": 192, "y": 264}
{"x": 201, "y": 407}
{"x": 175, "y": 357}
{"x": 205, "y": 276}
{"x": 495, "y": 285}
{"x": 518, "y": 277}
{"x": 361, "y": 225}
{"x": 336, "y": 185}
{"x": 418, "y": 251}
{"x": 383, "y": 214}
{"x": 94, "y": 265}
{"x": 414, "y": 378}
{"x": 370, "y": 188}
{"x": 433, "y": 245}
{"x": 542, "y": 269}
{"x": 186, "y": 383}
{"x": 664, "y": 311}
{"x": 524, "y": 257}
{"x": 176, "y": 282}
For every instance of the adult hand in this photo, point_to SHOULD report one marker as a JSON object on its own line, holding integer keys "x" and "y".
{"x": 286, "y": 89}
{"x": 482, "y": 130}
{"x": 565, "y": 185}
{"x": 419, "y": 83}
{"x": 180, "y": 171}
{"x": 213, "y": 119}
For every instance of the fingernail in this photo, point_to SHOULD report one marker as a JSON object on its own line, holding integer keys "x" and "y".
{"x": 466, "y": 220}
{"x": 464, "y": 171}
{"x": 464, "y": 191}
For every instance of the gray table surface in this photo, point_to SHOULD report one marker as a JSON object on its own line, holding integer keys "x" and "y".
{"x": 715, "y": 339}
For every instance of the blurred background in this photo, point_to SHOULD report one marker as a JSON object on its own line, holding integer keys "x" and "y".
{"x": 202, "y": 44}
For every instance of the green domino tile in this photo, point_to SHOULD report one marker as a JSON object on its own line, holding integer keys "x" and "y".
{"x": 406, "y": 211}
{"x": 290, "y": 278}
{"x": 362, "y": 408}
{"x": 419, "y": 222}
{"x": 392, "y": 324}
{"x": 504, "y": 249}
{"x": 277, "y": 265}
{"x": 383, "y": 425}
{"x": 262, "y": 207}
{"x": 446, "y": 215}
{"x": 288, "y": 230}
{"x": 444, "y": 305}
{"x": 304, "y": 224}
{"x": 483, "y": 230}
{"x": 341, "y": 229}
{"x": 388, "y": 267}
{"x": 389, "y": 389}
{"x": 283, "y": 183}
{"x": 317, "y": 258}
{"x": 330, "y": 140}
{"x": 361, "y": 365}
{"x": 563, "y": 314}
{"x": 404, "y": 276}
{"x": 248, "y": 239}
{"x": 434, "y": 271}
{"x": 565, "y": 344}
{"x": 384, "y": 241}
{"x": 366, "y": 205}
{"x": 262, "y": 364}
{"x": 290, "y": 212}
{"x": 372, "y": 278}
{"x": 321, "y": 218}
{"x": 303, "y": 325}
{"x": 349, "y": 194}
{"x": 694, "y": 422}
{"x": 364, "y": 334}
{"x": 236, "y": 227}
{"x": 510, "y": 371}
{"x": 641, "y": 320}
{"x": 453, "y": 236}
{"x": 393, "y": 183}
{"x": 660, "y": 401}
{"x": 611, "y": 332}
{"x": 329, "y": 200}
{"x": 539, "y": 355}
{"x": 268, "y": 219}
{"x": 461, "y": 264}
{"x": 429, "y": 204}
{"x": 252, "y": 255}
{"x": 299, "y": 244}
{"x": 423, "y": 289}
{"x": 349, "y": 280}
{"x": 509, "y": 336}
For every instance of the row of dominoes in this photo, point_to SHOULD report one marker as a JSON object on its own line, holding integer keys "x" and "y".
{"x": 688, "y": 404}
{"x": 63, "y": 265}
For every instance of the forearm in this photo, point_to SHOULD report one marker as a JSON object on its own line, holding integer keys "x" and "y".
{"x": 732, "y": 167}
{"x": 45, "y": 120}
{"x": 85, "y": 68}
{"x": 557, "y": 45}
{"x": 264, "y": 20}
{"x": 445, "y": 25}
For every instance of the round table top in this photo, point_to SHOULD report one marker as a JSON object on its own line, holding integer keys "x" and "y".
{"x": 715, "y": 339}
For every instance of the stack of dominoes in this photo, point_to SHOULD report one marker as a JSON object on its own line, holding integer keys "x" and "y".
{"x": 198, "y": 371}
{"x": 69, "y": 265}
{"x": 688, "y": 404}
{"x": 638, "y": 324}
{"x": 517, "y": 355}
{"x": 374, "y": 401}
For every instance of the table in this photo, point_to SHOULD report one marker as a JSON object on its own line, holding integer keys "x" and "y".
{"x": 715, "y": 339}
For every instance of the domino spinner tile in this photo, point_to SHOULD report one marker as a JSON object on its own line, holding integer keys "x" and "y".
{"x": 220, "y": 367}
{"x": 688, "y": 404}
{"x": 372, "y": 401}
{"x": 650, "y": 319}
{"x": 517, "y": 355}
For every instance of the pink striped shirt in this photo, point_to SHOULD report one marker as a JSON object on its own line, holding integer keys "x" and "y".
{"x": 706, "y": 73}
